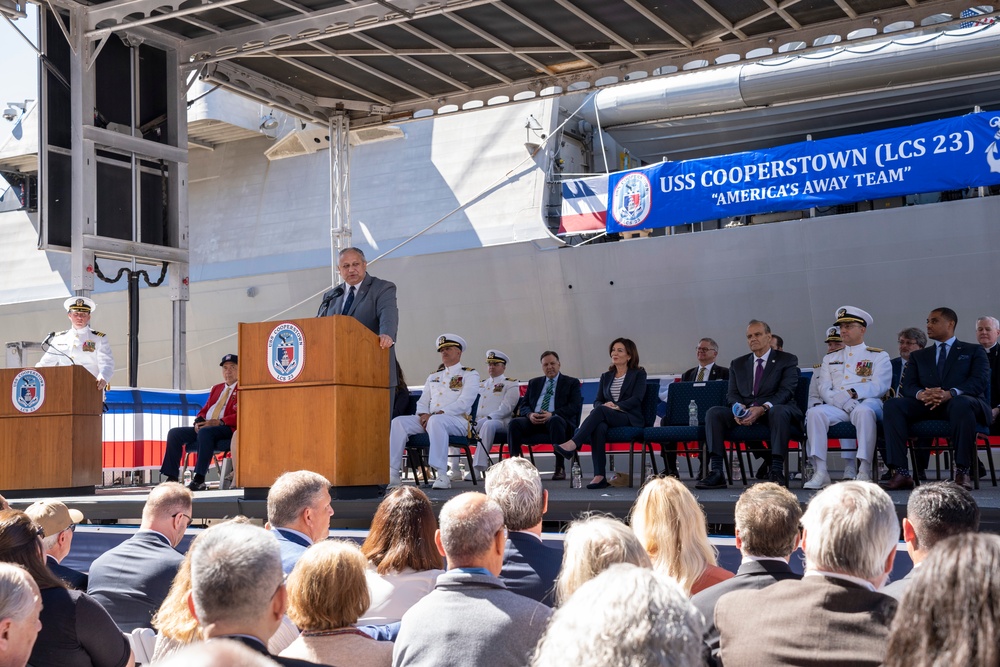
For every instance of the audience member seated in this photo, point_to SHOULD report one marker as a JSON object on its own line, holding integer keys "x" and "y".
{"x": 76, "y": 630}
{"x": 671, "y": 527}
{"x": 619, "y": 403}
{"x": 215, "y": 424}
{"x": 777, "y": 342}
{"x": 592, "y": 545}
{"x": 58, "y": 523}
{"x": 237, "y": 586}
{"x": 764, "y": 383}
{"x": 851, "y": 383}
{"x": 767, "y": 533}
{"x": 642, "y": 618}
{"x": 327, "y": 592}
{"x": 443, "y": 410}
{"x": 551, "y": 406}
{"x": 833, "y": 615}
{"x": 470, "y": 618}
{"x": 498, "y": 398}
{"x": 530, "y": 567}
{"x": 951, "y": 613}
{"x": 20, "y": 605}
{"x": 934, "y": 512}
{"x": 298, "y": 513}
{"x": 132, "y": 579}
{"x": 948, "y": 381}
{"x": 403, "y": 561}
{"x": 217, "y": 653}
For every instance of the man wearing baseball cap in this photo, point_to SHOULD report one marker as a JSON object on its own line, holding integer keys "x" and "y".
{"x": 212, "y": 431}
{"x": 80, "y": 345}
{"x": 443, "y": 410}
{"x": 58, "y": 522}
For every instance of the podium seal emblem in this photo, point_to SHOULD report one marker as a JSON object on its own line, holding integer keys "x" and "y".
{"x": 27, "y": 391}
{"x": 286, "y": 352}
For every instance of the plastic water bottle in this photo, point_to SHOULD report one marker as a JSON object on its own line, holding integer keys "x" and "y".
{"x": 807, "y": 468}
{"x": 648, "y": 473}
{"x": 692, "y": 413}
{"x": 187, "y": 477}
{"x": 611, "y": 466}
{"x": 576, "y": 475}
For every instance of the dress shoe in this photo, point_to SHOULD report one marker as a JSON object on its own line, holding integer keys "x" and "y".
{"x": 982, "y": 470}
{"x": 778, "y": 478}
{"x": 672, "y": 473}
{"x": 850, "y": 469}
{"x": 442, "y": 482}
{"x": 817, "y": 481}
{"x": 197, "y": 486}
{"x": 565, "y": 453}
{"x": 715, "y": 480}
{"x": 603, "y": 484}
{"x": 899, "y": 482}
{"x": 963, "y": 479}
{"x": 394, "y": 479}
{"x": 764, "y": 471}
{"x": 887, "y": 475}
{"x": 171, "y": 478}
{"x": 558, "y": 475}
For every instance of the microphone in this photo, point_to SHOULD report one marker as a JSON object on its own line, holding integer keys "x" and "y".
{"x": 48, "y": 348}
{"x": 328, "y": 298}
{"x": 47, "y": 339}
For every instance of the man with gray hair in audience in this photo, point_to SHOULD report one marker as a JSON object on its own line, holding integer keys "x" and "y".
{"x": 298, "y": 513}
{"x": 933, "y": 512}
{"x": 849, "y": 536}
{"x": 470, "y": 618}
{"x": 238, "y": 586}
{"x": 530, "y": 567}
{"x": 20, "y": 605}
{"x": 131, "y": 580}
{"x": 767, "y": 533}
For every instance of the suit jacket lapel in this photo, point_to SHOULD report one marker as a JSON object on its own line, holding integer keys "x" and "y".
{"x": 359, "y": 293}
{"x": 949, "y": 361}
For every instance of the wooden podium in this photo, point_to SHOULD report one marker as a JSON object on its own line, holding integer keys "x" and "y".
{"x": 56, "y": 449}
{"x": 332, "y": 417}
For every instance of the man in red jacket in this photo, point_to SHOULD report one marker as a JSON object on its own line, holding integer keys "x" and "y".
{"x": 213, "y": 428}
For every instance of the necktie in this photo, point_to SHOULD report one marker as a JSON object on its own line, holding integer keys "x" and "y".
{"x": 942, "y": 355}
{"x": 701, "y": 374}
{"x": 757, "y": 375}
{"x": 348, "y": 301}
{"x": 217, "y": 410}
{"x": 547, "y": 398}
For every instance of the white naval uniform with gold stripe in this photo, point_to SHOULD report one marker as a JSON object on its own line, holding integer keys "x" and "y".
{"x": 866, "y": 370}
{"x": 451, "y": 392}
{"x": 497, "y": 399}
{"x": 81, "y": 347}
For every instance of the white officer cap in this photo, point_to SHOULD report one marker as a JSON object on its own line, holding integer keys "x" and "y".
{"x": 853, "y": 314}
{"x": 450, "y": 340}
{"x": 833, "y": 335}
{"x": 79, "y": 304}
{"x": 497, "y": 355}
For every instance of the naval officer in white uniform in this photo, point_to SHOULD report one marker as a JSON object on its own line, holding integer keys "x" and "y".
{"x": 443, "y": 410}
{"x": 851, "y": 382}
{"x": 80, "y": 345}
{"x": 498, "y": 396}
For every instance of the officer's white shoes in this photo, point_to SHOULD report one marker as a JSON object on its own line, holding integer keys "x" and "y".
{"x": 480, "y": 470}
{"x": 850, "y": 469}
{"x": 818, "y": 480}
{"x": 864, "y": 472}
{"x": 442, "y": 482}
{"x": 394, "y": 479}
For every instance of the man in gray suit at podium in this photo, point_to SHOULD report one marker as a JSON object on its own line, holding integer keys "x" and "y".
{"x": 369, "y": 300}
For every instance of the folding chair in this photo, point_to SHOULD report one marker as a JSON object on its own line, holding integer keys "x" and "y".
{"x": 420, "y": 442}
{"x": 675, "y": 428}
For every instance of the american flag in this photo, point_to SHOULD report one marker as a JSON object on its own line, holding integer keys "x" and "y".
{"x": 976, "y": 11}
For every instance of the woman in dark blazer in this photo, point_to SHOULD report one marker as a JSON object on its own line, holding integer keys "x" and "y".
{"x": 619, "y": 403}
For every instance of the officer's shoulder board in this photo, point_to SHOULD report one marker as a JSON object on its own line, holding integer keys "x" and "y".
{"x": 62, "y": 333}
{"x": 817, "y": 365}
{"x": 510, "y": 379}
{"x": 97, "y": 333}
{"x": 465, "y": 368}
{"x": 874, "y": 349}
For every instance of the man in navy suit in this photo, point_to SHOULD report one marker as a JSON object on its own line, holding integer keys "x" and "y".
{"x": 767, "y": 533}
{"x": 947, "y": 381}
{"x": 298, "y": 513}
{"x": 529, "y": 567}
{"x": 551, "y": 406}
{"x": 132, "y": 580}
{"x": 764, "y": 383}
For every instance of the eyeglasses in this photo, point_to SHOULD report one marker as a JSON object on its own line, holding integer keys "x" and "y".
{"x": 186, "y": 516}
{"x": 71, "y": 528}
{"x": 706, "y": 349}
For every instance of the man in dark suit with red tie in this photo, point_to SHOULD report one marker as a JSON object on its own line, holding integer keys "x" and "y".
{"x": 551, "y": 406}
{"x": 212, "y": 431}
{"x": 764, "y": 383}
{"x": 949, "y": 381}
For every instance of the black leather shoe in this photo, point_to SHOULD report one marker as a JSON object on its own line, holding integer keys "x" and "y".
{"x": 778, "y": 478}
{"x": 603, "y": 484}
{"x": 197, "y": 486}
{"x": 558, "y": 475}
{"x": 764, "y": 471}
{"x": 715, "y": 480}
{"x": 899, "y": 482}
{"x": 964, "y": 480}
{"x": 982, "y": 470}
{"x": 170, "y": 478}
{"x": 566, "y": 454}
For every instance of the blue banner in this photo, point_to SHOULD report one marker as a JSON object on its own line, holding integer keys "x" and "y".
{"x": 930, "y": 157}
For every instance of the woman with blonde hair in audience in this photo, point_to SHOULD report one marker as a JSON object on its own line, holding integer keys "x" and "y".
{"x": 327, "y": 592}
{"x": 950, "y": 612}
{"x": 403, "y": 560}
{"x": 671, "y": 526}
{"x": 76, "y": 630}
{"x": 591, "y": 545}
